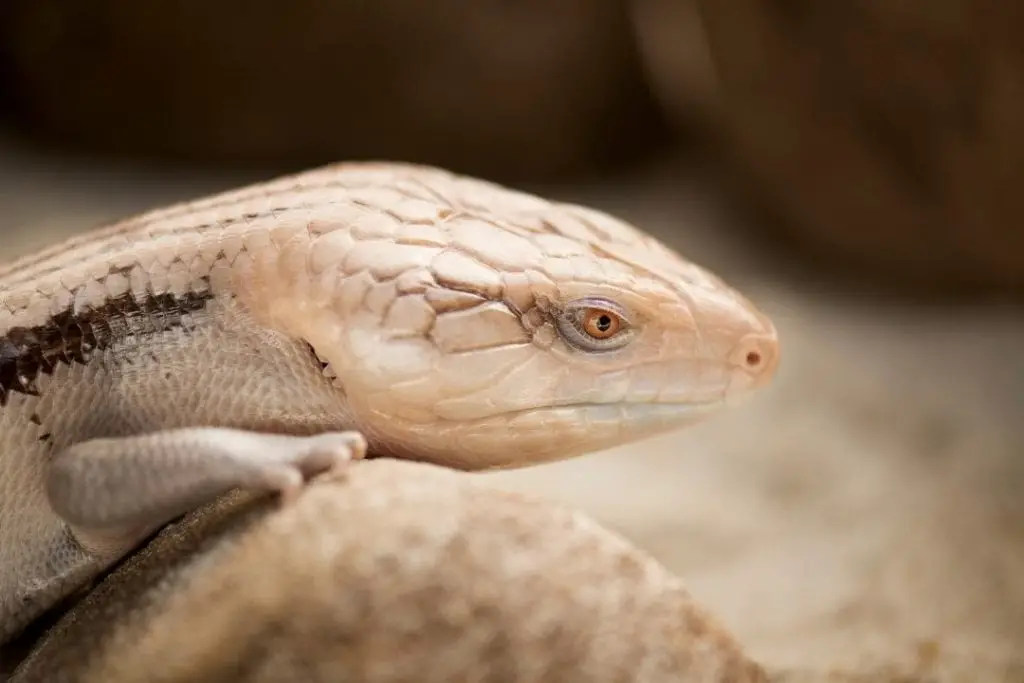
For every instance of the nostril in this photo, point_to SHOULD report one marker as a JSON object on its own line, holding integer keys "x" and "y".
{"x": 757, "y": 356}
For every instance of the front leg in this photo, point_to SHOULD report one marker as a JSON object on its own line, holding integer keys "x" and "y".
{"x": 113, "y": 492}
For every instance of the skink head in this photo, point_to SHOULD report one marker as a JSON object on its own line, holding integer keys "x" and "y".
{"x": 488, "y": 328}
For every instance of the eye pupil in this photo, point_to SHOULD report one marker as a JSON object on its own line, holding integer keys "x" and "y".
{"x": 604, "y": 323}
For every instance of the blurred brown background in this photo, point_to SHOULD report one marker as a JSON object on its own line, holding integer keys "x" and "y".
{"x": 857, "y": 167}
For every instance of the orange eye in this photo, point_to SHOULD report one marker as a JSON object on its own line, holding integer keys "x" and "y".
{"x": 599, "y": 323}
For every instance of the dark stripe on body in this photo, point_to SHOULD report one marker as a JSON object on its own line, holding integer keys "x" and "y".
{"x": 68, "y": 338}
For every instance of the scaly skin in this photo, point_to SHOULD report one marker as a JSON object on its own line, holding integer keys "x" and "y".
{"x": 260, "y": 336}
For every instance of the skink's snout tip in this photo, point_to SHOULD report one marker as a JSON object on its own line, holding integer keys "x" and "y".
{"x": 757, "y": 355}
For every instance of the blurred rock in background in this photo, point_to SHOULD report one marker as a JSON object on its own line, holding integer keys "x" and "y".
{"x": 880, "y": 139}
{"x": 887, "y": 137}
{"x": 529, "y": 89}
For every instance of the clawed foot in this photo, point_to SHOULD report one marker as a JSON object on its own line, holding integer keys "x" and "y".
{"x": 290, "y": 464}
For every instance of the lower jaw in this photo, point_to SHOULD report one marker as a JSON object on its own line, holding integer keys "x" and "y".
{"x": 543, "y": 435}
{"x": 609, "y": 426}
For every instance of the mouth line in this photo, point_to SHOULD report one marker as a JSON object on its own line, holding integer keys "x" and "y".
{"x": 655, "y": 408}
{"x": 667, "y": 404}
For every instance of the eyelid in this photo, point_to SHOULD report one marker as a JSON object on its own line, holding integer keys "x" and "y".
{"x": 595, "y": 302}
{"x": 569, "y": 328}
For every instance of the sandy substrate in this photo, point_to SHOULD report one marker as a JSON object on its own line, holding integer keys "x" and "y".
{"x": 863, "y": 516}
